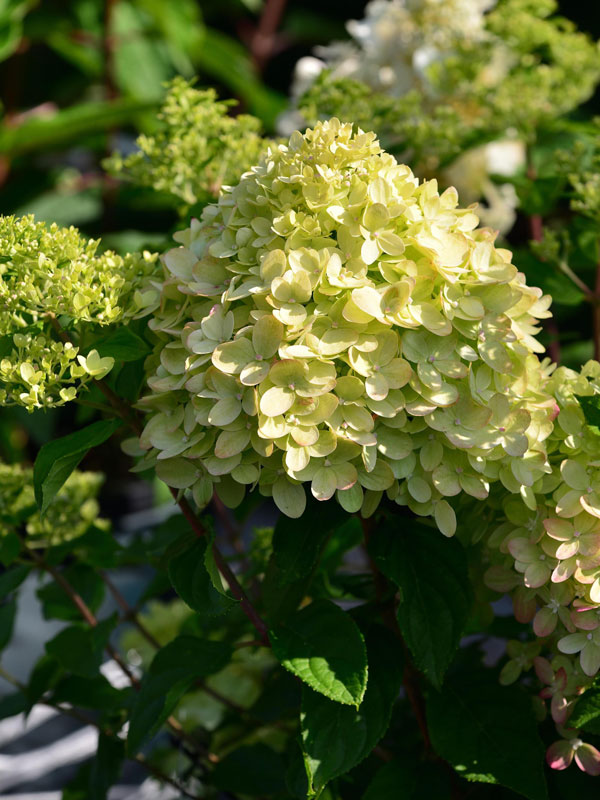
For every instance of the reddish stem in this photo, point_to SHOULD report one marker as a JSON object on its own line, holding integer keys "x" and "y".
{"x": 263, "y": 41}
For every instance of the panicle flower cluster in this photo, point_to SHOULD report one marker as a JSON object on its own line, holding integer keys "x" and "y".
{"x": 72, "y": 512}
{"x": 485, "y": 74}
{"x": 334, "y": 322}
{"x": 197, "y": 148}
{"x": 46, "y": 273}
{"x": 548, "y": 556}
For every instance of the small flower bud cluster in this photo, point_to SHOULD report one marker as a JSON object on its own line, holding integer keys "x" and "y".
{"x": 335, "y": 323}
{"x": 197, "y": 148}
{"x": 72, "y": 513}
{"x": 47, "y": 273}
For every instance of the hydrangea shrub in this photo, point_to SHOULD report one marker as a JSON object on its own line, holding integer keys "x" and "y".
{"x": 338, "y": 336}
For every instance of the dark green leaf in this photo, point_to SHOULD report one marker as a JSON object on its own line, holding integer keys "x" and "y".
{"x": 7, "y": 621}
{"x": 396, "y": 780}
{"x": 13, "y": 704}
{"x": 96, "y": 693}
{"x": 431, "y": 574}
{"x": 106, "y": 766}
{"x": 56, "y": 604}
{"x": 191, "y": 581}
{"x": 122, "y": 345}
{"x": 488, "y": 733}
{"x": 13, "y": 578}
{"x": 591, "y": 410}
{"x": 57, "y": 459}
{"x": 79, "y": 650}
{"x": 43, "y": 677}
{"x": 251, "y": 770}
{"x": 409, "y": 780}
{"x": 586, "y": 713}
{"x": 171, "y": 673}
{"x": 68, "y": 125}
{"x": 335, "y": 738}
{"x": 298, "y": 542}
{"x": 323, "y": 646}
{"x": 10, "y": 545}
{"x": 227, "y": 60}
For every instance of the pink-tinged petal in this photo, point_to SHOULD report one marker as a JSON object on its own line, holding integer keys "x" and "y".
{"x": 522, "y": 550}
{"x": 567, "y": 550}
{"x": 544, "y": 622}
{"x": 572, "y": 643}
{"x": 524, "y": 605}
{"x": 560, "y": 679}
{"x": 563, "y": 571}
{"x": 589, "y": 544}
{"x": 559, "y": 755}
{"x": 590, "y": 658}
{"x": 543, "y": 669}
{"x": 536, "y": 575}
{"x": 585, "y": 620}
{"x": 587, "y": 759}
{"x": 547, "y": 692}
{"x": 559, "y": 708}
{"x": 591, "y": 503}
{"x": 559, "y": 529}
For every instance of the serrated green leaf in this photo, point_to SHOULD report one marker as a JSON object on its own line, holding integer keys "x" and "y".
{"x": 298, "y": 542}
{"x": 322, "y": 646}
{"x": 57, "y": 459}
{"x": 431, "y": 573}
{"x": 171, "y": 673}
{"x": 192, "y": 582}
{"x": 586, "y": 713}
{"x": 488, "y": 733}
{"x": 335, "y": 738}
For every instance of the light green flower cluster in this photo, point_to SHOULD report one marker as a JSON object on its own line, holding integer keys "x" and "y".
{"x": 47, "y": 273}
{"x": 197, "y": 148}
{"x": 507, "y": 70}
{"x": 71, "y": 514}
{"x": 548, "y": 555}
{"x": 333, "y": 322}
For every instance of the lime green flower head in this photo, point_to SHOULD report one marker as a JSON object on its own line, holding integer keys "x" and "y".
{"x": 72, "y": 513}
{"x": 332, "y": 321}
{"x": 46, "y": 273}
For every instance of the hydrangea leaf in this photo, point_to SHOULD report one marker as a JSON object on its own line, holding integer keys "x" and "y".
{"x": 57, "y": 459}
{"x": 323, "y": 647}
{"x": 488, "y": 733}
{"x": 431, "y": 574}
{"x": 335, "y": 737}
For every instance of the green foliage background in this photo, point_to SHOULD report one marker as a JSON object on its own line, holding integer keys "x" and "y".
{"x": 79, "y": 80}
